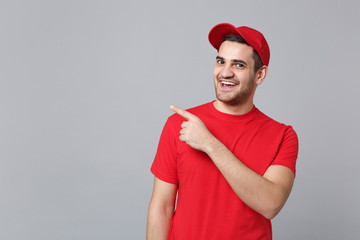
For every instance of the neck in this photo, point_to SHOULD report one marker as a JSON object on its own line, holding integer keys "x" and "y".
{"x": 236, "y": 109}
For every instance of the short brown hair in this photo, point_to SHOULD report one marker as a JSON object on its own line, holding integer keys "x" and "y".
{"x": 240, "y": 39}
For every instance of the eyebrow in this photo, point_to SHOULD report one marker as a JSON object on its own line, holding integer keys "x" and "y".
{"x": 232, "y": 60}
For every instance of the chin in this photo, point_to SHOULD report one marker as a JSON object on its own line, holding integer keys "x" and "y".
{"x": 233, "y": 100}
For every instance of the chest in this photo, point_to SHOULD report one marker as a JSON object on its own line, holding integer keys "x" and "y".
{"x": 254, "y": 145}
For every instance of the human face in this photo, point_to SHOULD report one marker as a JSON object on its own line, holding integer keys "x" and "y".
{"x": 234, "y": 75}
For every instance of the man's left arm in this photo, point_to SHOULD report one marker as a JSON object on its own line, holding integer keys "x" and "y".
{"x": 265, "y": 194}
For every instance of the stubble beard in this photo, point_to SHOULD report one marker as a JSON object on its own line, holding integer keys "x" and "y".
{"x": 239, "y": 97}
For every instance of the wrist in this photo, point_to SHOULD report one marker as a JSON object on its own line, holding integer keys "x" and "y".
{"x": 213, "y": 146}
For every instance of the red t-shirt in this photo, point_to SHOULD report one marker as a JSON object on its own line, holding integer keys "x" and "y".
{"x": 207, "y": 207}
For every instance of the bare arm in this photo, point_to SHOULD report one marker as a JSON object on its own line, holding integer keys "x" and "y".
{"x": 161, "y": 210}
{"x": 265, "y": 194}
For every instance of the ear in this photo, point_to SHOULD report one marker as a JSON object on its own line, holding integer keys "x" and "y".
{"x": 261, "y": 74}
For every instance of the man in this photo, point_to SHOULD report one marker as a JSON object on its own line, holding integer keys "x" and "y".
{"x": 232, "y": 166}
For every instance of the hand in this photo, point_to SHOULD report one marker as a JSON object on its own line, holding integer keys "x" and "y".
{"x": 193, "y": 131}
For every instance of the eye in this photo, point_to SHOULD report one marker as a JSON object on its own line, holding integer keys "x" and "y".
{"x": 239, "y": 65}
{"x": 218, "y": 61}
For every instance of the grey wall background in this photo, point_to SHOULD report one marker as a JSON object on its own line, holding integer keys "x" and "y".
{"x": 85, "y": 88}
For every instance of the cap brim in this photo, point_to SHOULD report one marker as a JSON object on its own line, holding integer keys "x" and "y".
{"x": 218, "y": 32}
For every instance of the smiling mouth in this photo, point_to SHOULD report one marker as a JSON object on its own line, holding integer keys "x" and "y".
{"x": 227, "y": 83}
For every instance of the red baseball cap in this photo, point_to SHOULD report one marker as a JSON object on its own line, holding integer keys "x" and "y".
{"x": 253, "y": 37}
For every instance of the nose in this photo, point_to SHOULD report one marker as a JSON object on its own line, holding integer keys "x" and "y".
{"x": 226, "y": 71}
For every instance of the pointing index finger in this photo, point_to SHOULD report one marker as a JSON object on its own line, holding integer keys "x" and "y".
{"x": 181, "y": 112}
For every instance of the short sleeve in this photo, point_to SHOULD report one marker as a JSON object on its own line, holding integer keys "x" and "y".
{"x": 288, "y": 150}
{"x": 164, "y": 166}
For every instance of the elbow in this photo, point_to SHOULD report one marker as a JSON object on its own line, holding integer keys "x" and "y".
{"x": 273, "y": 208}
{"x": 274, "y": 205}
{"x": 271, "y": 213}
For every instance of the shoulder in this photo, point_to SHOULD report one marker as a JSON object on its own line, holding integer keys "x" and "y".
{"x": 273, "y": 125}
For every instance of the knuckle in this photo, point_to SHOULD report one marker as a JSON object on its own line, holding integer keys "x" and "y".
{"x": 182, "y": 138}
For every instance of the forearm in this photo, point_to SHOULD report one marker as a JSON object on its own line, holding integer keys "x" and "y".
{"x": 158, "y": 223}
{"x": 260, "y": 194}
{"x": 265, "y": 194}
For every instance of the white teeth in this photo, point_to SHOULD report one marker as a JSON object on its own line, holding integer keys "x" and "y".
{"x": 228, "y": 83}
